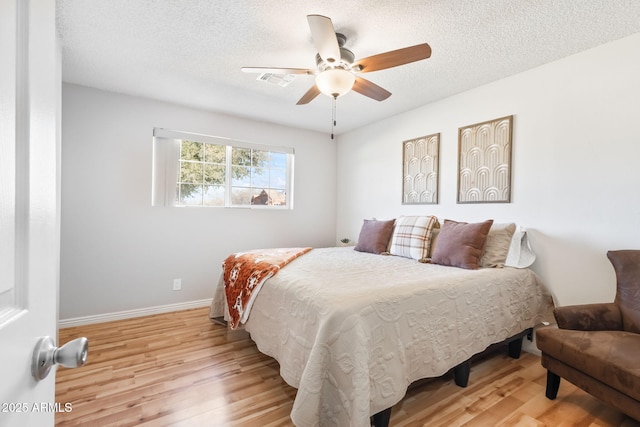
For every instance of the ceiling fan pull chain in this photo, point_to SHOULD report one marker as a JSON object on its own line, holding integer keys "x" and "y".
{"x": 333, "y": 115}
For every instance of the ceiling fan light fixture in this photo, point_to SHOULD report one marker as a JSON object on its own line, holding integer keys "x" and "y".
{"x": 335, "y": 82}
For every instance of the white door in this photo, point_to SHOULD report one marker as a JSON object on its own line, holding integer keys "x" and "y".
{"x": 29, "y": 205}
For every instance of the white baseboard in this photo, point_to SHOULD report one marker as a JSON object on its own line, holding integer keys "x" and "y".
{"x": 129, "y": 314}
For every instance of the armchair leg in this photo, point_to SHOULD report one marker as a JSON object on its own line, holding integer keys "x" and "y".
{"x": 553, "y": 384}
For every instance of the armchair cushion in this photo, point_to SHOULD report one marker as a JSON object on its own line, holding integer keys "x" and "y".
{"x": 608, "y": 356}
{"x": 589, "y": 317}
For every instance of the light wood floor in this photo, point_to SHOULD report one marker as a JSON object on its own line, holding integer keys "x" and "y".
{"x": 179, "y": 369}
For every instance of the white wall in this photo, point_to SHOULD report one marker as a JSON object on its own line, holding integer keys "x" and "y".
{"x": 119, "y": 253}
{"x": 575, "y": 174}
{"x": 575, "y": 178}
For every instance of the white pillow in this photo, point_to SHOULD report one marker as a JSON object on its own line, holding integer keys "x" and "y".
{"x": 520, "y": 253}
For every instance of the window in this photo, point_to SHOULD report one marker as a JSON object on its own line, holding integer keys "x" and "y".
{"x": 201, "y": 174}
{"x": 212, "y": 171}
{"x": 258, "y": 177}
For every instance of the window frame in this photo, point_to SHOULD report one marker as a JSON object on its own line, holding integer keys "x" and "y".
{"x": 166, "y": 164}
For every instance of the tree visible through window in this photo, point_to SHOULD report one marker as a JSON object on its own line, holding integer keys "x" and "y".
{"x": 202, "y": 174}
{"x": 224, "y": 175}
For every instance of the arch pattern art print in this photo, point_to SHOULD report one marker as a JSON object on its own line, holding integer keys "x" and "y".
{"x": 484, "y": 162}
{"x": 420, "y": 170}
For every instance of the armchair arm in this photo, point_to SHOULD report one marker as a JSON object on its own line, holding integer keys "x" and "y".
{"x": 589, "y": 317}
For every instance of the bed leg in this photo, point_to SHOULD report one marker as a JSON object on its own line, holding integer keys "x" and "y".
{"x": 515, "y": 348}
{"x": 461, "y": 374}
{"x": 553, "y": 384}
{"x": 515, "y": 343}
{"x": 381, "y": 419}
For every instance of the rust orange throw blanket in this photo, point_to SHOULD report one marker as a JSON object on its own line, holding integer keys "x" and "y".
{"x": 246, "y": 272}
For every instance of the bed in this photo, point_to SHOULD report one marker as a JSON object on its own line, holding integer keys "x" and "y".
{"x": 352, "y": 330}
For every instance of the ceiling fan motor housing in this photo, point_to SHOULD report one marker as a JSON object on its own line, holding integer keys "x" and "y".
{"x": 346, "y": 56}
{"x": 346, "y": 59}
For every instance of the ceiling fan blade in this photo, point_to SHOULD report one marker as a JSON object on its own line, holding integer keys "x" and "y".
{"x": 372, "y": 90}
{"x": 309, "y": 96}
{"x": 324, "y": 37}
{"x": 277, "y": 70}
{"x": 394, "y": 58}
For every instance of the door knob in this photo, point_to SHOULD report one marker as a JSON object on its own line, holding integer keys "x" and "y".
{"x": 46, "y": 354}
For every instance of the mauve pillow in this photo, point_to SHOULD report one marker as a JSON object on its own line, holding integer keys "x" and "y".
{"x": 460, "y": 244}
{"x": 374, "y": 236}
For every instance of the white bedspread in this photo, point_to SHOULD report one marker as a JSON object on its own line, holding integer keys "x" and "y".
{"x": 352, "y": 330}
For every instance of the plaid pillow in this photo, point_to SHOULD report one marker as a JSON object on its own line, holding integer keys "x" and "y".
{"x": 412, "y": 236}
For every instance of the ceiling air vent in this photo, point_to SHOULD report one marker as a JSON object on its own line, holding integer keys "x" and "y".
{"x": 277, "y": 79}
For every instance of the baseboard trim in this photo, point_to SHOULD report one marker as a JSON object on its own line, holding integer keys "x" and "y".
{"x": 130, "y": 314}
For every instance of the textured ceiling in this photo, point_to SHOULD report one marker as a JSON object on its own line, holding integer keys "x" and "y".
{"x": 190, "y": 51}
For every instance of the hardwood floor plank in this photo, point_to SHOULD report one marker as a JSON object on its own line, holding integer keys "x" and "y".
{"x": 179, "y": 369}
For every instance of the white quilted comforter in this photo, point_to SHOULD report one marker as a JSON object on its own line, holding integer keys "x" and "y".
{"x": 352, "y": 330}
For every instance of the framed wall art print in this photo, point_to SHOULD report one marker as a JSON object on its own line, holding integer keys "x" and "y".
{"x": 420, "y": 159}
{"x": 484, "y": 162}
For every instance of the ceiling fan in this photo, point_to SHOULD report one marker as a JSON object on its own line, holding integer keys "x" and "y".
{"x": 337, "y": 69}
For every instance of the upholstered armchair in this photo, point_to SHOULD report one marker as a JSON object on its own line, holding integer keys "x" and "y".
{"x": 597, "y": 346}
